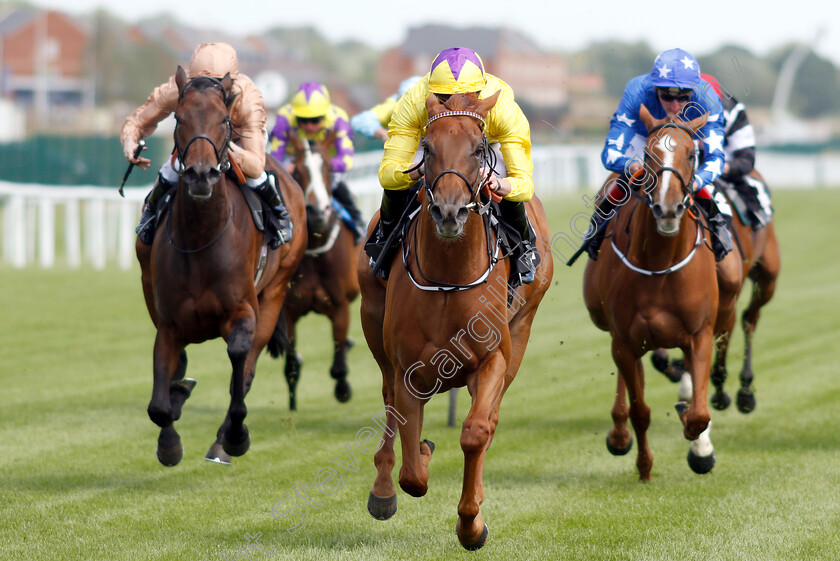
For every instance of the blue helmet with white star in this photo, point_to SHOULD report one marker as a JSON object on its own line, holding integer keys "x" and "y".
{"x": 675, "y": 68}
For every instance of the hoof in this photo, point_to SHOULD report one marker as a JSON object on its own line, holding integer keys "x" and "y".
{"x": 292, "y": 403}
{"x": 700, "y": 464}
{"x": 615, "y": 450}
{"x": 217, "y": 455}
{"x": 721, "y": 400}
{"x": 382, "y": 508}
{"x": 659, "y": 360}
{"x": 349, "y": 343}
{"x": 431, "y": 446}
{"x": 170, "y": 455}
{"x": 343, "y": 393}
{"x": 237, "y": 448}
{"x": 479, "y": 542}
{"x": 745, "y": 400}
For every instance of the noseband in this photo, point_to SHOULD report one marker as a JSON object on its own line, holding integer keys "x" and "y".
{"x": 221, "y": 153}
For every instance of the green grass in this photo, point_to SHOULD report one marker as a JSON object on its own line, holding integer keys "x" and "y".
{"x": 80, "y": 480}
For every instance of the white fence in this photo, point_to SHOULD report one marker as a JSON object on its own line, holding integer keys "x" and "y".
{"x": 96, "y": 226}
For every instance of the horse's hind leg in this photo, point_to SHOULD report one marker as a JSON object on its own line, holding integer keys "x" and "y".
{"x": 180, "y": 388}
{"x": 166, "y": 363}
{"x": 763, "y": 274}
{"x": 293, "y": 362}
{"x": 720, "y": 399}
{"x": 340, "y": 324}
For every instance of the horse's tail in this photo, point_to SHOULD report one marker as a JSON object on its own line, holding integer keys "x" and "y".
{"x": 279, "y": 342}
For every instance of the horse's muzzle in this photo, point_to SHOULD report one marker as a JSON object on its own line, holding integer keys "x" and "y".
{"x": 201, "y": 180}
{"x": 449, "y": 219}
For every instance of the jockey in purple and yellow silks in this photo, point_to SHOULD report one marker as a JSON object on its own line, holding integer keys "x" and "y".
{"x": 459, "y": 70}
{"x": 311, "y": 116}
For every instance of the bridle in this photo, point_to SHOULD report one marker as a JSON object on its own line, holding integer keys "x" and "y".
{"x": 685, "y": 185}
{"x": 488, "y": 159}
{"x": 221, "y": 152}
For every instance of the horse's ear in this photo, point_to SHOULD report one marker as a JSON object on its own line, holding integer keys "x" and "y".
{"x": 484, "y": 106}
{"x": 180, "y": 78}
{"x": 697, "y": 124}
{"x": 646, "y": 117}
{"x": 434, "y": 105}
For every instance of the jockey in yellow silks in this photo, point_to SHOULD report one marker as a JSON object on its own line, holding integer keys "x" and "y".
{"x": 459, "y": 70}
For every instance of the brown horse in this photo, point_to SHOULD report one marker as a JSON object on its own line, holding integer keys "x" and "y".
{"x": 761, "y": 261}
{"x": 660, "y": 289}
{"x": 325, "y": 281}
{"x": 443, "y": 319}
{"x": 204, "y": 276}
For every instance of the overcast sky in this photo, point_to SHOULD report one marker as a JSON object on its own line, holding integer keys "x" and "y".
{"x": 699, "y": 27}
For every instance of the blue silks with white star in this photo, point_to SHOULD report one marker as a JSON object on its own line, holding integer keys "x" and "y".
{"x": 626, "y": 139}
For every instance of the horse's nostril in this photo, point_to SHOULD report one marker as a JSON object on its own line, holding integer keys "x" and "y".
{"x": 463, "y": 213}
{"x": 657, "y": 211}
{"x": 436, "y": 213}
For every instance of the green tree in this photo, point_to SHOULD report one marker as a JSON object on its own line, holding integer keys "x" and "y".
{"x": 616, "y": 61}
{"x": 748, "y": 78}
{"x": 816, "y": 86}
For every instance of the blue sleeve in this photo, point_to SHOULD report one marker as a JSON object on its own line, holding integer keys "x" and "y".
{"x": 365, "y": 123}
{"x": 711, "y": 135}
{"x": 624, "y": 125}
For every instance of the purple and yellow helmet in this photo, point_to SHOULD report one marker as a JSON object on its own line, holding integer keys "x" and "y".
{"x": 311, "y": 100}
{"x": 457, "y": 70}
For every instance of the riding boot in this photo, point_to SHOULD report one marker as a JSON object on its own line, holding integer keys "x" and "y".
{"x": 597, "y": 226}
{"x": 148, "y": 221}
{"x": 719, "y": 226}
{"x": 268, "y": 192}
{"x": 513, "y": 213}
{"x": 343, "y": 195}
{"x": 390, "y": 211}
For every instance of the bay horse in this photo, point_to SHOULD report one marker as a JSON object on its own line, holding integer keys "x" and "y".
{"x": 325, "y": 281}
{"x": 209, "y": 273}
{"x": 761, "y": 262}
{"x": 656, "y": 287}
{"x": 443, "y": 320}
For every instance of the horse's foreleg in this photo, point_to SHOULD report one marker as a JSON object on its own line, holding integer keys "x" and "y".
{"x": 698, "y": 358}
{"x": 619, "y": 439}
{"x": 236, "y": 440}
{"x": 486, "y": 387}
{"x": 631, "y": 370}
{"x": 414, "y": 474}
{"x": 291, "y": 370}
{"x": 166, "y": 360}
{"x": 340, "y": 323}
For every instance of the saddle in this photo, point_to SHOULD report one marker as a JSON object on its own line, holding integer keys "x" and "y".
{"x": 745, "y": 201}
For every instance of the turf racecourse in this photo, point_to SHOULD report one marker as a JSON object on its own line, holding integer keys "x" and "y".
{"x": 79, "y": 479}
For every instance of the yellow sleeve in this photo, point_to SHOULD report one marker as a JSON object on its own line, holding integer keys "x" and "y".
{"x": 507, "y": 125}
{"x": 404, "y": 131}
{"x": 384, "y": 110}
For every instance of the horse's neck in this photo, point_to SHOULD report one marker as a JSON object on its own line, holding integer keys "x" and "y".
{"x": 650, "y": 249}
{"x": 457, "y": 261}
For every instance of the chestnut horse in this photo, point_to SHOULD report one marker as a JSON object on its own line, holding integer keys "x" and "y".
{"x": 442, "y": 320}
{"x": 208, "y": 273}
{"x": 761, "y": 261}
{"x": 660, "y": 289}
{"x": 325, "y": 281}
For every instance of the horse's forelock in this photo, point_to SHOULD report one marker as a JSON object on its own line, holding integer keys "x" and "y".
{"x": 461, "y": 102}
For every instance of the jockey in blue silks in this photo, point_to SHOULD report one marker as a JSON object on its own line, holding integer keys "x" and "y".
{"x": 673, "y": 89}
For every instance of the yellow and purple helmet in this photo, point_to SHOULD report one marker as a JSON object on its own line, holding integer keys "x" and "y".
{"x": 457, "y": 70}
{"x": 311, "y": 100}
